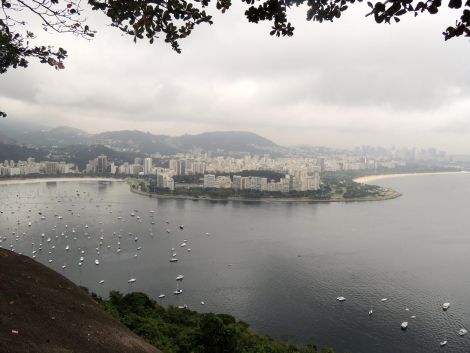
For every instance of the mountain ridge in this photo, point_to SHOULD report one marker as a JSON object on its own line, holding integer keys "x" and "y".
{"x": 142, "y": 142}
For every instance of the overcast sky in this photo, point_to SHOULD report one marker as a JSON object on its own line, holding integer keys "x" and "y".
{"x": 343, "y": 84}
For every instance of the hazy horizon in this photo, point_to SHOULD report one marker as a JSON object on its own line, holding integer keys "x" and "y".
{"x": 344, "y": 84}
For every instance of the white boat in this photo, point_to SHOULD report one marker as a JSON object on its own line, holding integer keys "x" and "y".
{"x": 132, "y": 280}
{"x": 179, "y": 277}
{"x": 67, "y": 248}
{"x": 445, "y": 306}
{"x": 178, "y": 291}
{"x": 101, "y": 282}
{"x": 462, "y": 332}
{"x": 341, "y": 299}
{"x": 182, "y": 226}
{"x": 43, "y": 218}
{"x": 443, "y": 343}
{"x": 404, "y": 325}
{"x": 371, "y": 311}
{"x": 29, "y": 224}
{"x": 183, "y": 245}
{"x": 97, "y": 262}
{"x": 173, "y": 259}
{"x": 161, "y": 296}
{"x": 383, "y": 299}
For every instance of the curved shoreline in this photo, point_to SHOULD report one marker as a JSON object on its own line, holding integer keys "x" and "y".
{"x": 392, "y": 194}
{"x": 370, "y": 178}
{"x": 52, "y": 180}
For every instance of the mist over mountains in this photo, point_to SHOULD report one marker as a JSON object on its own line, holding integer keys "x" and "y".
{"x": 20, "y": 140}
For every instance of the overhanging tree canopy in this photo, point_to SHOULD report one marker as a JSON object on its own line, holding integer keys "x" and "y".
{"x": 173, "y": 20}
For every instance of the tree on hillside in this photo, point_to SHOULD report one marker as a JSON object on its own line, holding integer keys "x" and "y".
{"x": 173, "y": 20}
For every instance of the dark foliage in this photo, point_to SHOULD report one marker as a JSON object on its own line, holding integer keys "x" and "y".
{"x": 175, "y": 330}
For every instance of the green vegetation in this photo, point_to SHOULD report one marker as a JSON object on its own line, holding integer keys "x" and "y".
{"x": 175, "y": 330}
{"x": 342, "y": 185}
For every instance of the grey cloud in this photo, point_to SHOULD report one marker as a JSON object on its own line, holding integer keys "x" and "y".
{"x": 347, "y": 79}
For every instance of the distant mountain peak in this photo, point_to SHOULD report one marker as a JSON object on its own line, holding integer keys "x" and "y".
{"x": 145, "y": 142}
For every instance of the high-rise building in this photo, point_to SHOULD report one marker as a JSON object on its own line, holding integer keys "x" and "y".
{"x": 181, "y": 167}
{"x": 51, "y": 168}
{"x": 237, "y": 182}
{"x": 102, "y": 164}
{"x": 148, "y": 165}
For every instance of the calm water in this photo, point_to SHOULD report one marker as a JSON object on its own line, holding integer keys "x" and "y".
{"x": 278, "y": 267}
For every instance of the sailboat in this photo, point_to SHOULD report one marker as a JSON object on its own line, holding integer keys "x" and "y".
{"x": 178, "y": 291}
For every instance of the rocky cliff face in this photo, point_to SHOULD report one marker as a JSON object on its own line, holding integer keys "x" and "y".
{"x": 42, "y": 311}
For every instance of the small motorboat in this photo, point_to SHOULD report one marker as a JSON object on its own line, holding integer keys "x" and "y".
{"x": 383, "y": 299}
{"x": 179, "y": 277}
{"x": 97, "y": 262}
{"x": 462, "y": 332}
{"x": 443, "y": 343}
{"x": 404, "y": 325}
{"x": 132, "y": 280}
{"x": 161, "y": 296}
{"x": 445, "y": 306}
{"x": 341, "y": 299}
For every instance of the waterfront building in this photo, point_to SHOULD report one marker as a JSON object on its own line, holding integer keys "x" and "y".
{"x": 223, "y": 182}
{"x": 209, "y": 181}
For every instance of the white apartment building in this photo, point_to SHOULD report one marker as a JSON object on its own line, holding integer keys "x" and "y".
{"x": 209, "y": 181}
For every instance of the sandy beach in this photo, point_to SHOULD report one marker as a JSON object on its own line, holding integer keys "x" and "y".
{"x": 52, "y": 180}
{"x": 370, "y": 178}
